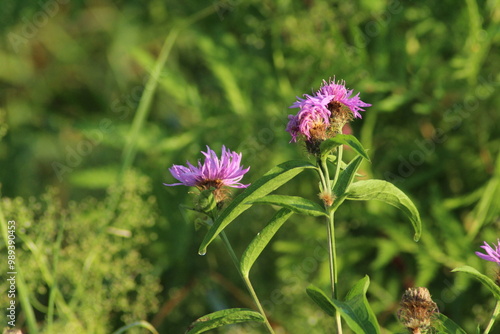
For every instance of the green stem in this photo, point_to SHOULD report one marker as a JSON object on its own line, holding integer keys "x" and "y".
{"x": 324, "y": 167}
{"x": 248, "y": 284}
{"x": 331, "y": 232}
{"x": 333, "y": 265}
{"x": 257, "y": 302}
{"x": 322, "y": 178}
{"x": 230, "y": 250}
{"x": 496, "y": 311}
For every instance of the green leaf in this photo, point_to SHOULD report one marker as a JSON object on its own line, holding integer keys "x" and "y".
{"x": 272, "y": 180}
{"x": 356, "y": 311}
{"x": 487, "y": 282}
{"x": 386, "y": 192}
{"x": 222, "y": 318}
{"x": 294, "y": 203}
{"x": 447, "y": 326}
{"x": 330, "y": 144}
{"x": 262, "y": 239}
{"x": 346, "y": 177}
{"x": 321, "y": 300}
{"x": 343, "y": 165}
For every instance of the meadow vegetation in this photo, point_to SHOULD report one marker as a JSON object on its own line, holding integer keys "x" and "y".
{"x": 99, "y": 99}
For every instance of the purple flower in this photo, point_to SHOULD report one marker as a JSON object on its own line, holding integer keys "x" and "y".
{"x": 339, "y": 93}
{"x": 213, "y": 172}
{"x": 311, "y": 121}
{"x": 492, "y": 255}
{"x": 325, "y": 112}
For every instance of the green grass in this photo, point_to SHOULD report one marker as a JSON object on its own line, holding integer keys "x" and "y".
{"x": 99, "y": 100}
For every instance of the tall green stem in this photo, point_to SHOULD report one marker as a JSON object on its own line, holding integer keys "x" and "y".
{"x": 496, "y": 311}
{"x": 331, "y": 231}
{"x": 321, "y": 176}
{"x": 326, "y": 174}
{"x": 257, "y": 302}
{"x": 333, "y": 265}
{"x": 248, "y": 284}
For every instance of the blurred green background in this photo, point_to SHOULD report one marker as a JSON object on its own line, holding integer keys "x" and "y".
{"x": 102, "y": 243}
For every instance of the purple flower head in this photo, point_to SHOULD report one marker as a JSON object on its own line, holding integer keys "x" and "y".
{"x": 492, "y": 255}
{"x": 312, "y": 120}
{"x": 324, "y": 113}
{"x": 214, "y": 172}
{"x": 337, "y": 92}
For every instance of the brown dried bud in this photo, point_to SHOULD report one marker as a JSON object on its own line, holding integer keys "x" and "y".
{"x": 327, "y": 197}
{"x": 417, "y": 310}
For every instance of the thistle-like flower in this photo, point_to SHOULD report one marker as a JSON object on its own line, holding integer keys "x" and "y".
{"x": 492, "y": 255}
{"x": 323, "y": 114}
{"x": 417, "y": 310}
{"x": 214, "y": 173}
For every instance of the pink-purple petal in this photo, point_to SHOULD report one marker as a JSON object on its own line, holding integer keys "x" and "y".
{"x": 493, "y": 254}
{"x": 227, "y": 170}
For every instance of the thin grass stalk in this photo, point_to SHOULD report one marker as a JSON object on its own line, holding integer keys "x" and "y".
{"x": 54, "y": 290}
{"x": 21, "y": 287}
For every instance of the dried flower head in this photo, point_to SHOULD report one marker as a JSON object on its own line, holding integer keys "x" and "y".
{"x": 493, "y": 254}
{"x": 213, "y": 173}
{"x": 417, "y": 310}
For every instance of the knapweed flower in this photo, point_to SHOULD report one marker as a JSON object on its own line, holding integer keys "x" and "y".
{"x": 492, "y": 255}
{"x": 417, "y": 310}
{"x": 324, "y": 113}
{"x": 214, "y": 173}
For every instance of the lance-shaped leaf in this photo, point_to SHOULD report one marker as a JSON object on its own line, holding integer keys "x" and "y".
{"x": 447, "y": 326}
{"x": 356, "y": 311}
{"x": 331, "y": 143}
{"x": 487, "y": 282}
{"x": 270, "y": 181}
{"x": 294, "y": 203}
{"x": 321, "y": 300}
{"x": 346, "y": 177}
{"x": 262, "y": 239}
{"x": 386, "y": 192}
{"x": 222, "y": 318}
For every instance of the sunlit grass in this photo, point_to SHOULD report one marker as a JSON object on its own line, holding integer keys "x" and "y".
{"x": 103, "y": 89}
